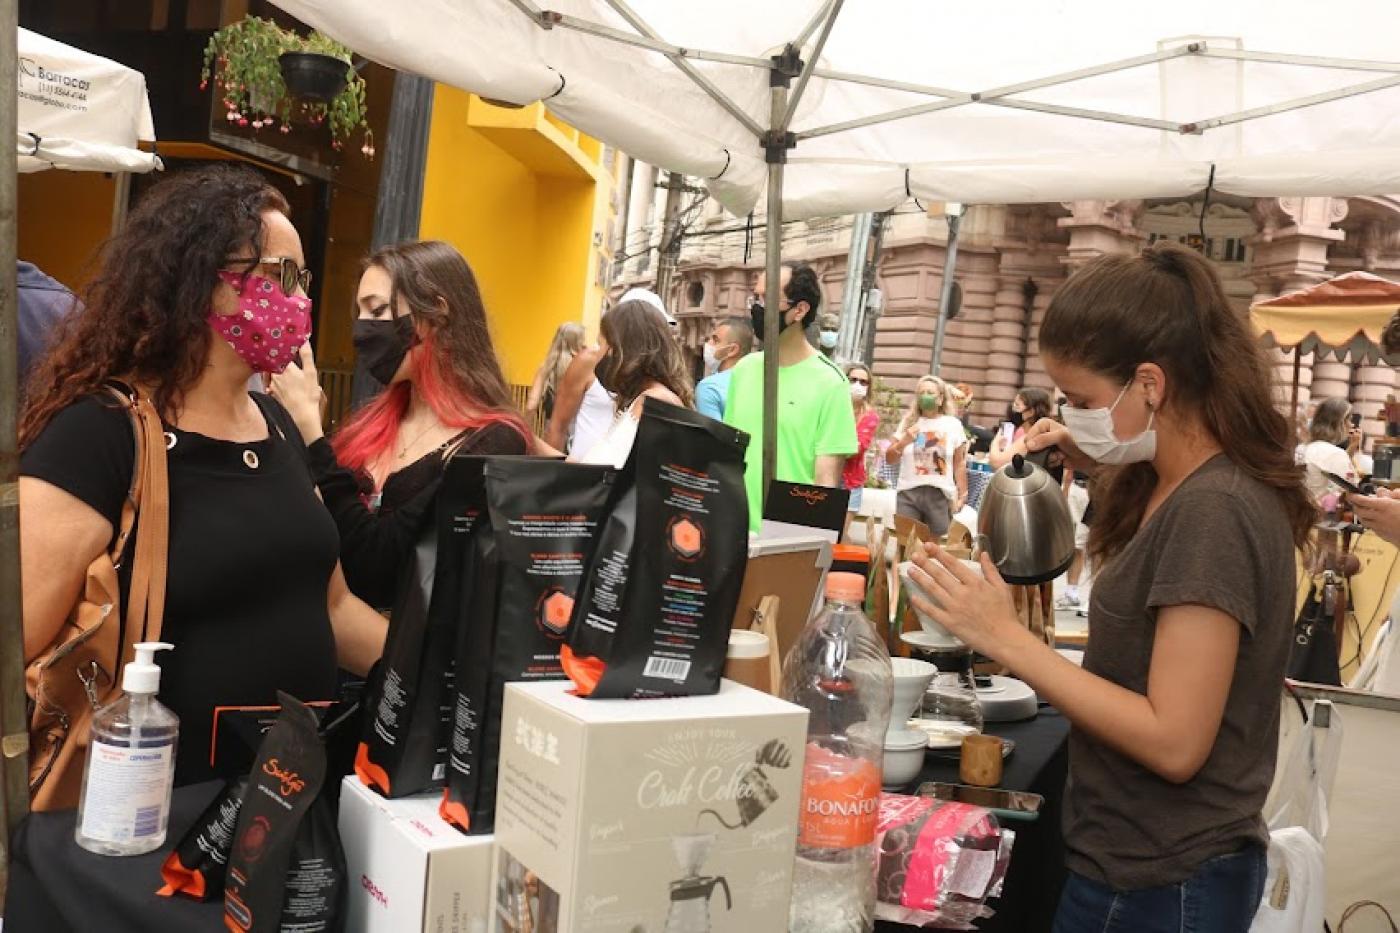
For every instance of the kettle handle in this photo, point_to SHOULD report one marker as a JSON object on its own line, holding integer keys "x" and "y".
{"x": 728, "y": 900}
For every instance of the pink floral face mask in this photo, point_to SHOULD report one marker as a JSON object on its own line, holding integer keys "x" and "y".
{"x": 269, "y": 327}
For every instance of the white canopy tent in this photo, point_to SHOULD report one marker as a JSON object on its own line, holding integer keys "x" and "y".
{"x": 841, "y": 106}
{"x": 80, "y": 111}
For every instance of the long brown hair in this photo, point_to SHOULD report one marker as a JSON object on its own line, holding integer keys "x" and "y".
{"x": 456, "y": 368}
{"x": 568, "y": 340}
{"x": 1167, "y": 307}
{"x": 145, "y": 314}
{"x": 1038, "y": 405}
{"x": 641, "y": 351}
{"x": 1329, "y": 422}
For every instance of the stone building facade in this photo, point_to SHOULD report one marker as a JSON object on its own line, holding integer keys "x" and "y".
{"x": 1011, "y": 259}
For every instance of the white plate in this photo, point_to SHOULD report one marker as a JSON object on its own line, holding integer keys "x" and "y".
{"x": 942, "y": 735}
{"x": 928, "y": 641}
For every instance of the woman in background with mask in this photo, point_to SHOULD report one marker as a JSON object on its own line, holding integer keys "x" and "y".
{"x": 1175, "y": 710}
{"x": 867, "y": 423}
{"x": 1029, "y": 406}
{"x": 421, "y": 331}
{"x": 640, "y": 360}
{"x": 931, "y": 450}
{"x": 203, "y": 287}
{"x": 828, "y": 334}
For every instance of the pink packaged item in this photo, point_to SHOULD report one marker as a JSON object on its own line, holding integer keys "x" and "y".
{"x": 939, "y": 861}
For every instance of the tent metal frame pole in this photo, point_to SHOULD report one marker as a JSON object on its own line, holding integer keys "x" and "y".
{"x": 1297, "y": 103}
{"x": 812, "y": 24}
{"x": 945, "y": 292}
{"x": 834, "y": 10}
{"x": 1312, "y": 61}
{"x": 14, "y": 735}
{"x": 548, "y": 19}
{"x": 776, "y": 156}
{"x": 688, "y": 69}
{"x": 993, "y": 96}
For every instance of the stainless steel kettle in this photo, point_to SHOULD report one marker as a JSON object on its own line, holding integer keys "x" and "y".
{"x": 1024, "y": 524}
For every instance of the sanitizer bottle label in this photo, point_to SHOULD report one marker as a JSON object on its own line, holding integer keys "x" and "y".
{"x": 127, "y": 790}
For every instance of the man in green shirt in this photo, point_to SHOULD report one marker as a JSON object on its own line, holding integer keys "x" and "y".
{"x": 816, "y": 426}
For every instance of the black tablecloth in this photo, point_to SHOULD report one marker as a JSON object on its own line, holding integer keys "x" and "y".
{"x": 80, "y": 891}
{"x": 77, "y": 890}
{"x": 1037, "y": 872}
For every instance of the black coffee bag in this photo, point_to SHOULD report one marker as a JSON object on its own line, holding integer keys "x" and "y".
{"x": 408, "y": 708}
{"x": 286, "y": 779}
{"x": 543, "y": 516}
{"x": 316, "y": 888}
{"x": 653, "y": 615}
{"x": 197, "y": 865}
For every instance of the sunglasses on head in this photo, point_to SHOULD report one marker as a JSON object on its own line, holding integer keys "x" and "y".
{"x": 289, "y": 275}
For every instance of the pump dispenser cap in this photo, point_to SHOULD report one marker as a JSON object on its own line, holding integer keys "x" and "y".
{"x": 143, "y": 674}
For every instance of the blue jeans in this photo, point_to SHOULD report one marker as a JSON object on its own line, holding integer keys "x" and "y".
{"x": 857, "y": 495}
{"x": 1221, "y": 897}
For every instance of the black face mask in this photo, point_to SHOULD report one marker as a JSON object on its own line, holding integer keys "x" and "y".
{"x": 1015, "y": 417}
{"x": 382, "y": 345}
{"x": 756, "y": 312}
{"x": 606, "y": 371}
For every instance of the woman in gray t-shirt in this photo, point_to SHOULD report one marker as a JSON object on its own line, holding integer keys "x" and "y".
{"x": 1198, "y": 511}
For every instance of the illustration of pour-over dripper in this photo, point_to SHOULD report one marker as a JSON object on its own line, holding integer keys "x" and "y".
{"x": 690, "y": 894}
{"x": 756, "y": 793}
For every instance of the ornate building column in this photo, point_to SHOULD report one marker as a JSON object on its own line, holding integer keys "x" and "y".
{"x": 1099, "y": 228}
{"x": 1031, "y": 270}
{"x": 1290, "y": 253}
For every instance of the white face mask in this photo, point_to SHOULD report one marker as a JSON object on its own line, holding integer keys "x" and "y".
{"x": 858, "y": 391}
{"x": 1092, "y": 431}
{"x": 829, "y": 338}
{"x": 711, "y": 359}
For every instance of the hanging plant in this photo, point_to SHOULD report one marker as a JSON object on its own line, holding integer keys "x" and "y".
{"x": 245, "y": 62}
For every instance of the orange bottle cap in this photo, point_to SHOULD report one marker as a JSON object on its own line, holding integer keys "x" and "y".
{"x": 847, "y": 587}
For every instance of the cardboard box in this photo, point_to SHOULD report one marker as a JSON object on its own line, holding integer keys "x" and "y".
{"x": 615, "y": 814}
{"x": 408, "y": 869}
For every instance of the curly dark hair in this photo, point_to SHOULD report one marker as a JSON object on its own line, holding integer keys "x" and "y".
{"x": 145, "y": 313}
{"x": 641, "y": 351}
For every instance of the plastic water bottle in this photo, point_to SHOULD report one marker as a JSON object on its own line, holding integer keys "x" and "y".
{"x": 839, "y": 669}
{"x": 130, "y": 770}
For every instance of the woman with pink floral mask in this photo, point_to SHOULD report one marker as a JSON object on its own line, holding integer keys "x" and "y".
{"x": 204, "y": 287}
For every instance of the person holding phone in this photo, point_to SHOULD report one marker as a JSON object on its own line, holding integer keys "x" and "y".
{"x": 1175, "y": 711}
{"x": 1334, "y": 438}
{"x": 1030, "y": 405}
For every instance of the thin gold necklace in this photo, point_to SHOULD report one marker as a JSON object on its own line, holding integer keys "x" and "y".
{"x": 418, "y": 437}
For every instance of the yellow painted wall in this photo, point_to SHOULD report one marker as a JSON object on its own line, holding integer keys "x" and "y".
{"x": 519, "y": 196}
{"x": 63, "y": 219}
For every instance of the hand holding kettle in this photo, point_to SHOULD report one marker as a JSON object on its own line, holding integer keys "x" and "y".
{"x": 1048, "y": 434}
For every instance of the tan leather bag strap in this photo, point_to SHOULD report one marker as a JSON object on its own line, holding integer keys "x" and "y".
{"x": 151, "y": 500}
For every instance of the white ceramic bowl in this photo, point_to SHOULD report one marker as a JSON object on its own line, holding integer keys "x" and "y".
{"x": 904, "y": 758}
{"x": 911, "y": 679}
{"x": 939, "y": 636}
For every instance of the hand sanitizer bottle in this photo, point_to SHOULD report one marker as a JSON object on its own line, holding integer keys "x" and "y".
{"x": 130, "y": 769}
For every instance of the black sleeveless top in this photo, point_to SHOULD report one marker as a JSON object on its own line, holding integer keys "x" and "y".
{"x": 252, "y": 550}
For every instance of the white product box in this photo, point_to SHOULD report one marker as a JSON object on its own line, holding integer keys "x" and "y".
{"x": 408, "y": 870}
{"x": 646, "y": 814}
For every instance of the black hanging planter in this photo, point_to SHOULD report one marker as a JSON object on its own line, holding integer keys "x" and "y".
{"x": 314, "y": 76}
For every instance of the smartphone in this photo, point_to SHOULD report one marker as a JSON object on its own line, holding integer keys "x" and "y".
{"x": 1365, "y": 489}
{"x": 1008, "y": 431}
{"x": 1006, "y": 804}
{"x": 1355, "y": 419}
